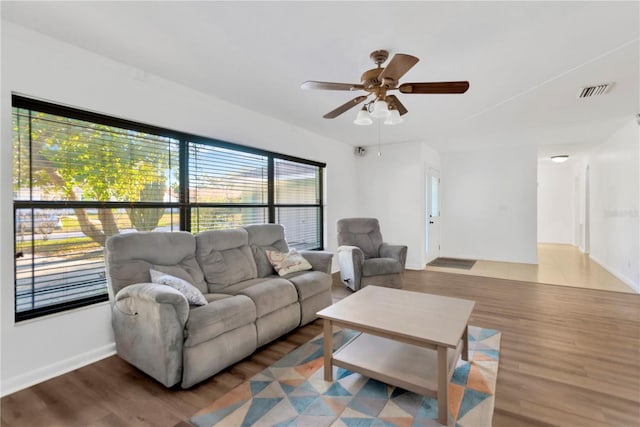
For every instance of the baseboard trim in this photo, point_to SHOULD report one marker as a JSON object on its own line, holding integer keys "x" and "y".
{"x": 39, "y": 375}
{"x": 626, "y": 280}
{"x": 415, "y": 267}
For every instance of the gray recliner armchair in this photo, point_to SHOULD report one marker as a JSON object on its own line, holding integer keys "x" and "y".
{"x": 365, "y": 259}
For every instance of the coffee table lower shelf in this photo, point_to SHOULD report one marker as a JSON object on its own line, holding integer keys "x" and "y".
{"x": 403, "y": 365}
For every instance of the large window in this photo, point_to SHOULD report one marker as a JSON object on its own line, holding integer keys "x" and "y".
{"x": 227, "y": 188}
{"x": 297, "y": 202}
{"x": 80, "y": 177}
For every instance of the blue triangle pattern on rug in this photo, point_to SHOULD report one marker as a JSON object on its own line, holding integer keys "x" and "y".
{"x": 259, "y": 407}
{"x": 409, "y": 402}
{"x": 366, "y": 422}
{"x": 337, "y": 390}
{"x": 486, "y": 333}
{"x": 343, "y": 373}
{"x": 300, "y": 404}
{"x": 368, "y": 405}
{"x": 318, "y": 407}
{"x": 305, "y": 389}
{"x": 428, "y": 409}
{"x": 287, "y": 388}
{"x": 352, "y": 400}
{"x": 373, "y": 388}
{"x": 213, "y": 418}
{"x": 302, "y": 391}
{"x": 461, "y": 374}
{"x": 358, "y": 422}
{"x": 470, "y": 400}
{"x": 314, "y": 356}
{"x": 258, "y": 386}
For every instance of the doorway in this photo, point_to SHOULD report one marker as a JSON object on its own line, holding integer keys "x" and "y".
{"x": 587, "y": 217}
{"x": 433, "y": 214}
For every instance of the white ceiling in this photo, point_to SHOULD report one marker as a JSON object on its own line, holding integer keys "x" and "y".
{"x": 525, "y": 61}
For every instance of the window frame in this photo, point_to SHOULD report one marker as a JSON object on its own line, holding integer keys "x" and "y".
{"x": 183, "y": 205}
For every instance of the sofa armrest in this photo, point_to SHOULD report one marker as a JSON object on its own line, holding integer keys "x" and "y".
{"x": 350, "y": 259}
{"x": 319, "y": 260}
{"x": 398, "y": 252}
{"x": 148, "y": 322}
{"x": 153, "y": 293}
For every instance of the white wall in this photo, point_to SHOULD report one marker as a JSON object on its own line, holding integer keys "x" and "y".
{"x": 556, "y": 217}
{"x": 488, "y": 207}
{"x": 391, "y": 187}
{"x": 45, "y": 68}
{"x": 614, "y": 204}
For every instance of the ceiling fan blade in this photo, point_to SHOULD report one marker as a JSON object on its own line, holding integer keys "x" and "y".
{"x": 344, "y": 107}
{"x": 393, "y": 100}
{"x": 434, "y": 87}
{"x": 398, "y": 66}
{"x": 330, "y": 85}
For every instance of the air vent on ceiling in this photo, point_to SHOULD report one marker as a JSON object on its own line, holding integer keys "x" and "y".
{"x": 589, "y": 91}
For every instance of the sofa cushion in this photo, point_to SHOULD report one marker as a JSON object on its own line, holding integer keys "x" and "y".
{"x": 222, "y": 315}
{"x": 263, "y": 237}
{"x": 285, "y": 263}
{"x": 129, "y": 257}
{"x": 191, "y": 293}
{"x": 268, "y": 294}
{"x": 187, "y": 269}
{"x": 310, "y": 283}
{"x": 263, "y": 265}
{"x": 215, "y": 297}
{"x": 378, "y": 266}
{"x": 225, "y": 257}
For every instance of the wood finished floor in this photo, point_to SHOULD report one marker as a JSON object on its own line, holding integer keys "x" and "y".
{"x": 569, "y": 357}
{"x": 558, "y": 264}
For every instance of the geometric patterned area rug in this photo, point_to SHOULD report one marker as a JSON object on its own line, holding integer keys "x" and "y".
{"x": 292, "y": 392}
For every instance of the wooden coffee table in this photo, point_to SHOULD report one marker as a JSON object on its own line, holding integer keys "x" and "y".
{"x": 408, "y": 339}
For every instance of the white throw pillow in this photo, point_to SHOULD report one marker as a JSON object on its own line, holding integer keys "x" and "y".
{"x": 193, "y": 294}
{"x": 288, "y": 263}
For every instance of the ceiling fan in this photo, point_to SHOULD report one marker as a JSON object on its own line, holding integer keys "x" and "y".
{"x": 378, "y": 81}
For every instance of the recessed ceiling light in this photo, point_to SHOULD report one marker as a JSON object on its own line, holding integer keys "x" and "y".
{"x": 560, "y": 159}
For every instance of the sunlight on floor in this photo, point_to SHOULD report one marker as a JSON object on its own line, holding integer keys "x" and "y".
{"x": 558, "y": 265}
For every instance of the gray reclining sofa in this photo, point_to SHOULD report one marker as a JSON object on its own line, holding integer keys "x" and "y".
{"x": 248, "y": 304}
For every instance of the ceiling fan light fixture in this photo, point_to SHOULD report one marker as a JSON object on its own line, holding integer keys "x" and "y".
{"x": 377, "y": 82}
{"x": 560, "y": 159}
{"x": 363, "y": 118}
{"x": 380, "y": 109}
{"x": 394, "y": 118}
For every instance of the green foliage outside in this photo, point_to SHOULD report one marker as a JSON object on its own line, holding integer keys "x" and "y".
{"x": 81, "y": 161}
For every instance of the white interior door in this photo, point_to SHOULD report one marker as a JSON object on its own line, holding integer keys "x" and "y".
{"x": 433, "y": 214}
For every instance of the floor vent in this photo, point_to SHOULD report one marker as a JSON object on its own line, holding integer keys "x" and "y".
{"x": 589, "y": 91}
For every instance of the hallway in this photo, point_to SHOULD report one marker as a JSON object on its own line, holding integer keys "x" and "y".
{"x": 558, "y": 265}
